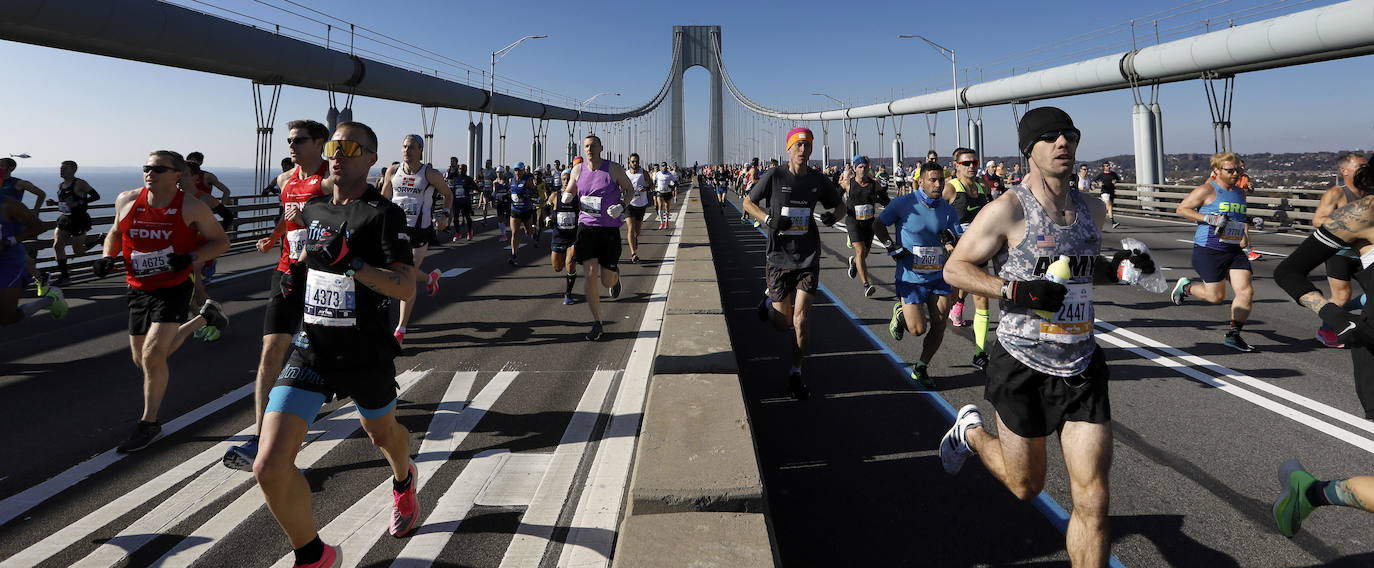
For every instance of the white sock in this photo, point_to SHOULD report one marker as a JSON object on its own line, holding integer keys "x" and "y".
{"x": 401, "y": 329}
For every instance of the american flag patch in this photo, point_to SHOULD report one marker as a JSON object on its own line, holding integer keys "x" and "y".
{"x": 1044, "y": 241}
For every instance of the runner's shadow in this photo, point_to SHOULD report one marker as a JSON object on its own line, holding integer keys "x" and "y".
{"x": 1173, "y": 543}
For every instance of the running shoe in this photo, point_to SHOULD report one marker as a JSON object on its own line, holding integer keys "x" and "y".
{"x": 798, "y": 386}
{"x": 332, "y": 558}
{"x": 242, "y": 456}
{"x": 145, "y": 433}
{"x": 40, "y": 284}
{"x": 1252, "y": 255}
{"x": 58, "y": 307}
{"x": 954, "y": 448}
{"x": 400, "y": 337}
{"x": 615, "y": 290}
{"x": 1329, "y": 338}
{"x": 921, "y": 375}
{"x": 756, "y": 224}
{"x": 567, "y": 299}
{"x": 1180, "y": 291}
{"x": 853, "y": 269}
{"x": 511, "y": 261}
{"x": 405, "y": 506}
{"x": 1235, "y": 341}
{"x": 595, "y": 333}
{"x": 870, "y": 290}
{"x": 504, "y": 238}
{"x": 634, "y": 258}
{"x": 1292, "y": 506}
{"x": 980, "y": 360}
{"x": 762, "y": 309}
{"x": 849, "y": 244}
{"x": 1115, "y": 224}
{"x": 469, "y": 235}
{"x": 208, "y": 334}
{"x": 896, "y": 327}
{"x": 956, "y": 315}
{"x": 432, "y": 286}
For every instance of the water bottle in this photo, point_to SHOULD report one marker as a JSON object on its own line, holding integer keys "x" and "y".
{"x": 1129, "y": 274}
{"x": 1059, "y": 271}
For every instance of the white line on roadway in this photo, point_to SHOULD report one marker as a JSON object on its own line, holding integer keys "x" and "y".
{"x": 429, "y": 541}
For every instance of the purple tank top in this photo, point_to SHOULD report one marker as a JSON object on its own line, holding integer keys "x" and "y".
{"x": 596, "y": 191}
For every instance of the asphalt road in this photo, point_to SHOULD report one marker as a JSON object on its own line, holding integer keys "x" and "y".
{"x": 507, "y": 403}
{"x": 854, "y": 478}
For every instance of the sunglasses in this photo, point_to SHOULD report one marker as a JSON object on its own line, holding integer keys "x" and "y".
{"x": 346, "y": 148}
{"x": 1232, "y": 171}
{"x": 299, "y": 140}
{"x": 158, "y": 169}
{"x": 1070, "y": 134}
{"x": 968, "y": 163}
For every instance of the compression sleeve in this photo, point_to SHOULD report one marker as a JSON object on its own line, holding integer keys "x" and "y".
{"x": 1291, "y": 275}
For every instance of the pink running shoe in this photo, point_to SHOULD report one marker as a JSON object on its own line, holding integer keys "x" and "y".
{"x": 1329, "y": 338}
{"x": 405, "y": 507}
{"x": 332, "y": 558}
{"x": 956, "y": 315}
{"x": 469, "y": 235}
{"x": 400, "y": 337}
{"x": 433, "y": 285}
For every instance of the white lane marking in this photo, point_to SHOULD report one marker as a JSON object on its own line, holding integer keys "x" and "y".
{"x": 106, "y": 514}
{"x": 450, "y": 273}
{"x": 358, "y": 528}
{"x": 429, "y": 541}
{"x": 1242, "y": 378}
{"x": 592, "y": 535}
{"x": 536, "y": 526}
{"x": 205, "y": 537}
{"x": 16, "y": 504}
{"x": 517, "y": 480}
{"x": 1228, "y": 388}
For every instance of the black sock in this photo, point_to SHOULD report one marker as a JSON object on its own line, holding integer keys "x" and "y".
{"x": 1316, "y": 494}
{"x": 311, "y": 552}
{"x": 571, "y": 279}
{"x": 1236, "y": 326}
{"x": 62, "y": 267}
{"x": 402, "y": 486}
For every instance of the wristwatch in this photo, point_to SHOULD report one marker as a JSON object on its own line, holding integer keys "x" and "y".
{"x": 354, "y": 267}
{"x": 1006, "y": 290}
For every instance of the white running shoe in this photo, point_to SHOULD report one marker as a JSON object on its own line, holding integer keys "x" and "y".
{"x": 954, "y": 448}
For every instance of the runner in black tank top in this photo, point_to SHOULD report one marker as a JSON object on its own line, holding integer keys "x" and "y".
{"x": 1341, "y": 267}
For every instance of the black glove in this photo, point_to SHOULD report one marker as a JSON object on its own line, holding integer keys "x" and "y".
{"x": 897, "y": 252}
{"x": 1352, "y": 330}
{"x": 1037, "y": 294}
{"x": 1141, "y": 260}
{"x": 293, "y": 281}
{"x": 778, "y": 223}
{"x": 329, "y": 246}
{"x": 947, "y": 237}
{"x": 103, "y": 267}
{"x": 180, "y": 261}
{"x": 828, "y": 219}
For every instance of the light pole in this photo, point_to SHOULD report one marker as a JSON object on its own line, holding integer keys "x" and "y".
{"x": 954, "y": 75}
{"x": 589, "y": 101}
{"x": 491, "y": 117}
{"x": 825, "y": 133}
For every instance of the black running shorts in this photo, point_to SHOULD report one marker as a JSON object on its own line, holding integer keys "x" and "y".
{"x": 1035, "y": 405}
{"x": 636, "y": 213}
{"x": 282, "y": 315}
{"x": 782, "y": 282}
{"x": 74, "y": 223}
{"x": 164, "y": 305}
{"x": 523, "y": 216}
{"x": 601, "y": 244}
{"x": 421, "y": 237}
{"x": 860, "y": 231}
{"x": 1342, "y": 267}
{"x": 371, "y": 386}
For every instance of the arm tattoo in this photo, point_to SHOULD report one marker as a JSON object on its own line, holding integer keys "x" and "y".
{"x": 1313, "y": 301}
{"x": 1350, "y": 219}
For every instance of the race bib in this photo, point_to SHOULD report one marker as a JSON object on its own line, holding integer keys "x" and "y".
{"x": 801, "y": 220}
{"x": 863, "y": 212}
{"x": 567, "y": 220}
{"x": 1074, "y": 321}
{"x": 411, "y": 209}
{"x": 519, "y": 199}
{"x": 641, "y": 199}
{"x": 1233, "y": 232}
{"x": 459, "y": 191}
{"x": 330, "y": 299}
{"x": 928, "y": 260}
{"x": 590, "y": 204}
{"x": 295, "y": 242}
{"x": 150, "y": 263}
{"x": 63, "y": 208}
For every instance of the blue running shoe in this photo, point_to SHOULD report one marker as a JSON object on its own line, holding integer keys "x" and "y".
{"x": 241, "y": 457}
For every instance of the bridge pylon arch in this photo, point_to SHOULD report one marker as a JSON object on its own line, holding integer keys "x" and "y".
{"x": 697, "y": 46}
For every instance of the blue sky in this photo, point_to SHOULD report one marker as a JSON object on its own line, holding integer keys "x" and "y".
{"x": 107, "y": 112}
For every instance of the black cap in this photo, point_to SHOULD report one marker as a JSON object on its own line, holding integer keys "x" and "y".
{"x": 1038, "y": 121}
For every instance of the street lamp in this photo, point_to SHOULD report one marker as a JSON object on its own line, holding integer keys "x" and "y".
{"x": 491, "y": 117}
{"x": 587, "y": 102}
{"x": 825, "y": 133}
{"x": 953, "y": 62}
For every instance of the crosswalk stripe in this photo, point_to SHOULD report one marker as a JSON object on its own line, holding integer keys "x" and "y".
{"x": 103, "y": 516}
{"x": 358, "y": 528}
{"x": 536, "y": 526}
{"x": 423, "y": 547}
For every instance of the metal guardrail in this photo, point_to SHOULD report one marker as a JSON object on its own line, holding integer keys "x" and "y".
{"x": 1286, "y": 208}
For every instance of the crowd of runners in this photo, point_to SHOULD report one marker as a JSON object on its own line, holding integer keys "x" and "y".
{"x": 350, "y": 243}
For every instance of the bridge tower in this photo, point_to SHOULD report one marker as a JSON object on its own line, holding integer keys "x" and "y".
{"x": 693, "y": 46}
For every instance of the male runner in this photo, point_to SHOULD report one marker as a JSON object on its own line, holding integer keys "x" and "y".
{"x": 1045, "y": 375}
{"x": 927, "y": 228}
{"x": 14, "y": 187}
{"x": 500, "y": 199}
{"x": 18, "y": 224}
{"x": 1219, "y": 245}
{"x": 665, "y": 183}
{"x": 487, "y": 177}
{"x": 356, "y": 260}
{"x": 1106, "y": 181}
{"x": 861, "y": 196}
{"x": 202, "y": 182}
{"x": 162, "y": 237}
{"x": 74, "y": 197}
{"x": 462, "y": 186}
{"x": 565, "y": 208}
{"x": 634, "y": 212}
{"x": 601, "y": 189}
{"x": 523, "y": 197}
{"x": 968, "y": 195}
{"x": 410, "y": 185}
{"x": 793, "y": 265}
{"x": 1343, "y": 266}
{"x": 282, "y": 318}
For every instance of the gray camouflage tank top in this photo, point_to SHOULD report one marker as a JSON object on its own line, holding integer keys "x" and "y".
{"x": 1061, "y": 345}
